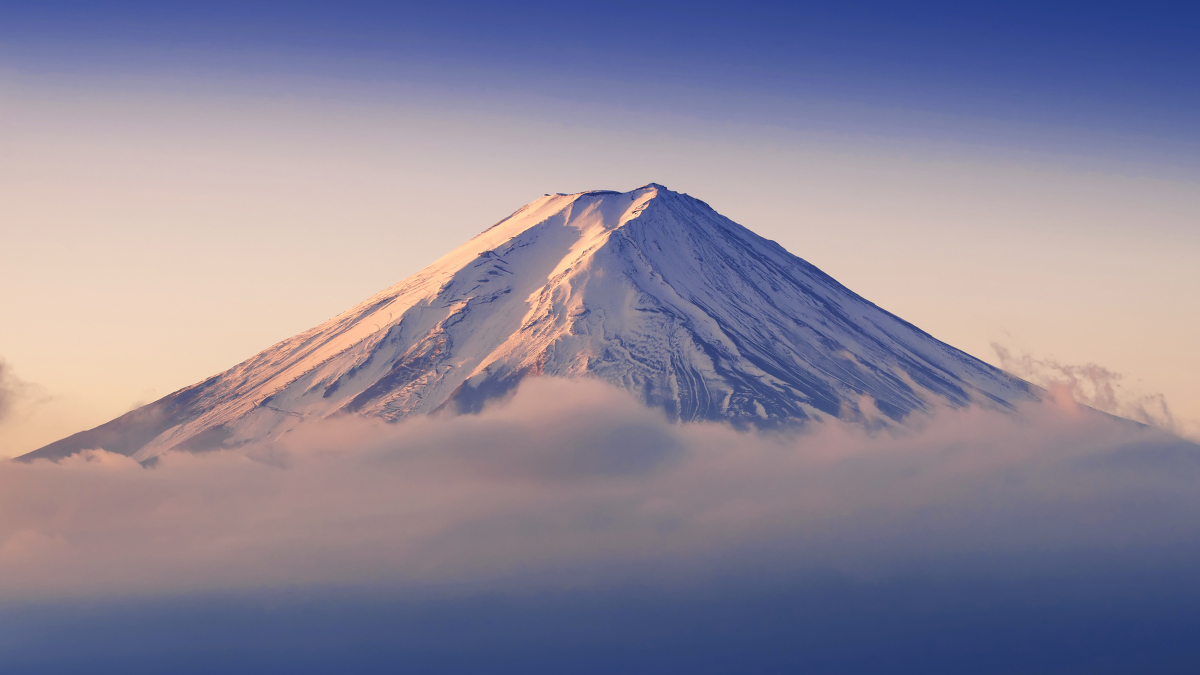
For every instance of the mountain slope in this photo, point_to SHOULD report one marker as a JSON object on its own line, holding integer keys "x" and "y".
{"x": 650, "y": 290}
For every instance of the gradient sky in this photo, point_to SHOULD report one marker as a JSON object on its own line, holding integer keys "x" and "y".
{"x": 182, "y": 185}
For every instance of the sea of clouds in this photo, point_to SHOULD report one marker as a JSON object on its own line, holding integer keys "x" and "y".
{"x": 574, "y": 485}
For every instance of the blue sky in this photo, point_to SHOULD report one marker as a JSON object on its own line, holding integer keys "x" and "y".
{"x": 1110, "y": 69}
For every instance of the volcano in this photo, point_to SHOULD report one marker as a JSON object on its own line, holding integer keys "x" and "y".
{"x": 650, "y": 290}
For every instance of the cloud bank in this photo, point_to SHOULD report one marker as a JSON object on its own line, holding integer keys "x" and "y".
{"x": 574, "y": 485}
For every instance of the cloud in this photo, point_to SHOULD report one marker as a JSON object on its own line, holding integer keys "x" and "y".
{"x": 574, "y": 484}
{"x": 1092, "y": 385}
{"x": 10, "y": 390}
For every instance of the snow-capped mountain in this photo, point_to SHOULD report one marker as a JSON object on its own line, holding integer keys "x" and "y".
{"x": 650, "y": 290}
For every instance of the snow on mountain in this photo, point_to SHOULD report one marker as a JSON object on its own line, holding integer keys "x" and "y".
{"x": 650, "y": 290}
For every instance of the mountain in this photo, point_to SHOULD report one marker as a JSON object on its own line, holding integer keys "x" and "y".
{"x": 650, "y": 290}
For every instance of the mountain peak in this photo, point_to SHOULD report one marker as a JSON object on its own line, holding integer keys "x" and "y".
{"x": 634, "y": 193}
{"x": 689, "y": 311}
{"x": 654, "y": 186}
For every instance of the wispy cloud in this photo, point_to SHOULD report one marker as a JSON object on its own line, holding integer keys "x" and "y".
{"x": 11, "y": 389}
{"x": 575, "y": 484}
{"x": 1092, "y": 385}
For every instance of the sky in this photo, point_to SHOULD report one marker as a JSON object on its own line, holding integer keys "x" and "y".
{"x": 185, "y": 184}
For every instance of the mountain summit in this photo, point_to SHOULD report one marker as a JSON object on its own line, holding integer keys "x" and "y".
{"x": 650, "y": 290}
